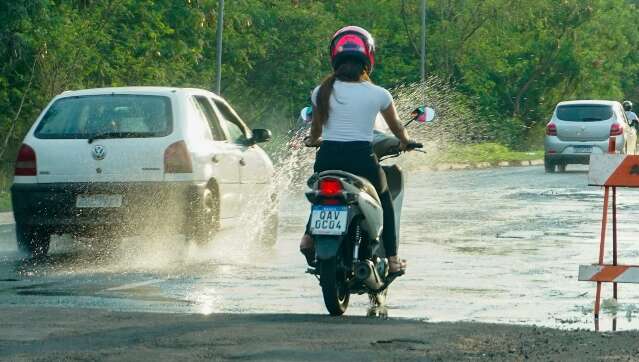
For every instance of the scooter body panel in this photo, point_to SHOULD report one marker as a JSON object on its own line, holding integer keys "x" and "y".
{"x": 395, "y": 180}
{"x": 371, "y": 209}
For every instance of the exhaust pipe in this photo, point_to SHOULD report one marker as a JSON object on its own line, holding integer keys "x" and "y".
{"x": 366, "y": 272}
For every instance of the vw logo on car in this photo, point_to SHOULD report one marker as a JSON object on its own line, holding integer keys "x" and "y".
{"x": 99, "y": 152}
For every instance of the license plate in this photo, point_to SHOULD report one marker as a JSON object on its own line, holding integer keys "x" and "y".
{"x": 583, "y": 149}
{"x": 328, "y": 220}
{"x": 95, "y": 201}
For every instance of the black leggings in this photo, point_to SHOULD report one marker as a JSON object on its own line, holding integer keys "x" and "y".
{"x": 358, "y": 158}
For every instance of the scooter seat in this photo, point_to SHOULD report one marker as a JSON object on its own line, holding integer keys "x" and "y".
{"x": 358, "y": 181}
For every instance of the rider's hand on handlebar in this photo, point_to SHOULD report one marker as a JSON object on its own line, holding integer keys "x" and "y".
{"x": 409, "y": 145}
{"x": 312, "y": 143}
{"x": 403, "y": 144}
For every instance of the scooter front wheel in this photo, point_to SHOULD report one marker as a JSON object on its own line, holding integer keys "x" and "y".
{"x": 334, "y": 289}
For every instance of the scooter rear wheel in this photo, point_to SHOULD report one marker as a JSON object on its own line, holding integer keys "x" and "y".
{"x": 334, "y": 289}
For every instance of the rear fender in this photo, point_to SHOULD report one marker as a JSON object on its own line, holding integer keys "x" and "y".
{"x": 327, "y": 246}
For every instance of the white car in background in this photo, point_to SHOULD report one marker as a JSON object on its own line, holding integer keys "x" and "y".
{"x": 578, "y": 129}
{"x": 121, "y": 158}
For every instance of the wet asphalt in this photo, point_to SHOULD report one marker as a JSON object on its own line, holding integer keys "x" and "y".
{"x": 495, "y": 245}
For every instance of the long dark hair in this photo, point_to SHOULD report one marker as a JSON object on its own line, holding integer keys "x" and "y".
{"x": 348, "y": 71}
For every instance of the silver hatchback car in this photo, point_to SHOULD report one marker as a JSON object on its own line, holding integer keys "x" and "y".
{"x": 578, "y": 129}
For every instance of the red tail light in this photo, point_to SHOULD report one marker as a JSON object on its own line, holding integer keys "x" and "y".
{"x": 26, "y": 162}
{"x": 330, "y": 187}
{"x": 177, "y": 159}
{"x": 551, "y": 129}
{"x": 616, "y": 129}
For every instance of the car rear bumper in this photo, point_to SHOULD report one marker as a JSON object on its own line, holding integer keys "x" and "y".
{"x": 53, "y": 206}
{"x": 568, "y": 158}
{"x": 563, "y": 151}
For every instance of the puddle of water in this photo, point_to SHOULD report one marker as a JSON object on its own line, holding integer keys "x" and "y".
{"x": 492, "y": 265}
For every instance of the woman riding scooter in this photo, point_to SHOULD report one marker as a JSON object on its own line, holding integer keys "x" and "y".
{"x": 345, "y": 106}
{"x": 630, "y": 115}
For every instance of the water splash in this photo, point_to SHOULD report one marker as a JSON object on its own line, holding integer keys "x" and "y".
{"x": 293, "y": 165}
{"x": 456, "y": 123}
{"x": 457, "y": 120}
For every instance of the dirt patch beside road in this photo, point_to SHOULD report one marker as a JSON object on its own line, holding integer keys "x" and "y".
{"x": 54, "y": 333}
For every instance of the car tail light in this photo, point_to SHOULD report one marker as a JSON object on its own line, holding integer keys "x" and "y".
{"x": 26, "y": 162}
{"x": 616, "y": 129}
{"x": 330, "y": 187}
{"x": 551, "y": 129}
{"x": 177, "y": 159}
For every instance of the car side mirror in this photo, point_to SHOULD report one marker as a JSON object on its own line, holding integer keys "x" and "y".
{"x": 260, "y": 135}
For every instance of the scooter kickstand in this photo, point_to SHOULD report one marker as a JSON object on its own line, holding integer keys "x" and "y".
{"x": 312, "y": 271}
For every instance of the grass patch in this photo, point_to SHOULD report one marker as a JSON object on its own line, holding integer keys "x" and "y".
{"x": 486, "y": 152}
{"x": 5, "y": 196}
{"x": 5, "y": 201}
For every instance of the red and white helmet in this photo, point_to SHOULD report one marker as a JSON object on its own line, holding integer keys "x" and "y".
{"x": 353, "y": 42}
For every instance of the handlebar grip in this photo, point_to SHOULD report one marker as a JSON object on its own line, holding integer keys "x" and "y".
{"x": 414, "y": 145}
{"x": 306, "y": 144}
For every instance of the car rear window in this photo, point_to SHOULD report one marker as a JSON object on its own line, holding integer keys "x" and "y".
{"x": 584, "y": 113}
{"x": 114, "y": 115}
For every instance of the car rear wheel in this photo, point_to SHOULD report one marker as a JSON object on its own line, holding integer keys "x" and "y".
{"x": 561, "y": 167}
{"x": 32, "y": 241}
{"x": 549, "y": 166}
{"x": 203, "y": 220}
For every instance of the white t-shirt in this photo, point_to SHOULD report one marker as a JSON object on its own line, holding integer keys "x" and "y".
{"x": 631, "y": 116}
{"x": 353, "y": 108}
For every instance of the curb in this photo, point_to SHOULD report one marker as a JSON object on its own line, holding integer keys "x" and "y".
{"x": 483, "y": 165}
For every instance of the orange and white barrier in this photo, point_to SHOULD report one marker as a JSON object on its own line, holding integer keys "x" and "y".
{"x": 614, "y": 170}
{"x": 610, "y": 170}
{"x": 609, "y": 273}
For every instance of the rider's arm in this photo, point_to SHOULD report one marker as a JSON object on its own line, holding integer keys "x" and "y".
{"x": 316, "y": 130}
{"x": 395, "y": 124}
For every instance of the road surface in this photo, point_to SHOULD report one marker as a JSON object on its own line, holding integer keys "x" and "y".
{"x": 498, "y": 245}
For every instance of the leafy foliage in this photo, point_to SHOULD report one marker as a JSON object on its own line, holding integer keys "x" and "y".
{"x": 513, "y": 58}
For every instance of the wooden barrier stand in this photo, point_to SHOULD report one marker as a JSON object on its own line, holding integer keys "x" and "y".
{"x": 611, "y": 171}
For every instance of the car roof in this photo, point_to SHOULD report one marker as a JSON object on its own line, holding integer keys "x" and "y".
{"x": 588, "y": 101}
{"x": 165, "y": 91}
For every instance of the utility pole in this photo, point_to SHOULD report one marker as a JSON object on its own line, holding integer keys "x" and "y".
{"x": 423, "y": 41}
{"x": 220, "y": 27}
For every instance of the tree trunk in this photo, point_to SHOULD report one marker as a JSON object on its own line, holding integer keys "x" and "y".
{"x": 7, "y": 138}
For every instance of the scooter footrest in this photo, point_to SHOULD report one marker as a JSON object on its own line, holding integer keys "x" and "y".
{"x": 391, "y": 277}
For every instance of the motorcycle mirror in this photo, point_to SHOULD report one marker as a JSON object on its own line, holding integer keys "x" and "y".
{"x": 423, "y": 115}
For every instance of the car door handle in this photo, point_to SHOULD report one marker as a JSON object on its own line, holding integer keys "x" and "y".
{"x": 242, "y": 162}
{"x": 215, "y": 159}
